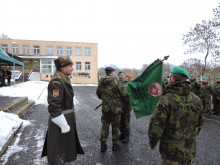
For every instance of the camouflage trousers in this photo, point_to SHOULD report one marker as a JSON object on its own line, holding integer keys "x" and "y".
{"x": 114, "y": 120}
{"x": 216, "y": 108}
{"x": 169, "y": 162}
{"x": 125, "y": 123}
{"x": 207, "y": 106}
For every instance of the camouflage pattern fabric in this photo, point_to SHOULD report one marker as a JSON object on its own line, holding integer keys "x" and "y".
{"x": 169, "y": 162}
{"x": 125, "y": 116}
{"x": 176, "y": 121}
{"x": 114, "y": 120}
{"x": 205, "y": 95}
{"x": 195, "y": 87}
{"x": 108, "y": 92}
{"x": 164, "y": 84}
{"x": 216, "y": 98}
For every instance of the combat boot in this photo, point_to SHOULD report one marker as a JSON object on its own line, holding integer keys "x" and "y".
{"x": 125, "y": 139}
{"x": 103, "y": 147}
{"x": 115, "y": 147}
{"x": 121, "y": 137}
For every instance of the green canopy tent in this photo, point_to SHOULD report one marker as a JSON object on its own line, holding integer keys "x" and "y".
{"x": 6, "y": 60}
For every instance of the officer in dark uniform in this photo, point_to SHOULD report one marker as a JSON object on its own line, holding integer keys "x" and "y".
{"x": 108, "y": 92}
{"x": 177, "y": 120}
{"x": 61, "y": 143}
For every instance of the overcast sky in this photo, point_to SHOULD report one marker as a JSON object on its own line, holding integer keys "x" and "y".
{"x": 129, "y": 33}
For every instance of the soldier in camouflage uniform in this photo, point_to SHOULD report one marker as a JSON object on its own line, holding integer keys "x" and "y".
{"x": 177, "y": 120}
{"x": 216, "y": 96}
{"x": 205, "y": 95}
{"x": 195, "y": 86}
{"x": 164, "y": 84}
{"x": 125, "y": 116}
{"x": 108, "y": 92}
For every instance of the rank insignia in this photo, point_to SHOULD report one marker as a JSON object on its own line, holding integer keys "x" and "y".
{"x": 55, "y": 92}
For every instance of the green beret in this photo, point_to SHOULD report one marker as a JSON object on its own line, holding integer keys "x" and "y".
{"x": 178, "y": 70}
{"x": 121, "y": 71}
{"x": 192, "y": 75}
{"x": 205, "y": 78}
{"x": 217, "y": 78}
{"x": 165, "y": 77}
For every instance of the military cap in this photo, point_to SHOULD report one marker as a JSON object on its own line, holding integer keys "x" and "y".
{"x": 121, "y": 71}
{"x": 192, "y": 75}
{"x": 178, "y": 70}
{"x": 109, "y": 68}
{"x": 63, "y": 61}
{"x": 205, "y": 78}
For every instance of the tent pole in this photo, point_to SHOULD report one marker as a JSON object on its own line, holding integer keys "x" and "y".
{"x": 23, "y": 73}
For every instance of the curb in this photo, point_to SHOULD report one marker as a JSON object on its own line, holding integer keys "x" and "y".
{"x": 10, "y": 140}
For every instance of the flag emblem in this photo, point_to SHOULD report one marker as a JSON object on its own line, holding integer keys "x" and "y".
{"x": 55, "y": 92}
{"x": 155, "y": 89}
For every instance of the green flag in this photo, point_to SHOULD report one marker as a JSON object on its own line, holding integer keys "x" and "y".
{"x": 144, "y": 91}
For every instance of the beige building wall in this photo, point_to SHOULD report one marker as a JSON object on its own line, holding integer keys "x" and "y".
{"x": 78, "y": 76}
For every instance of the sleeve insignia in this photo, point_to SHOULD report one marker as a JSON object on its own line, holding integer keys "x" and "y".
{"x": 55, "y": 92}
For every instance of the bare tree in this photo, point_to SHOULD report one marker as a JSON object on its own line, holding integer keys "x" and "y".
{"x": 4, "y": 36}
{"x": 203, "y": 38}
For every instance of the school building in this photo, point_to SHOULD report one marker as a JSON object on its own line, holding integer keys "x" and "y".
{"x": 38, "y": 58}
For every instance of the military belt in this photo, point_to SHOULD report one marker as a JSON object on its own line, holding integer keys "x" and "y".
{"x": 68, "y": 111}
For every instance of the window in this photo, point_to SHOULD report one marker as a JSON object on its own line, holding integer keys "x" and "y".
{"x": 78, "y": 65}
{"x": 59, "y": 50}
{"x": 87, "y": 51}
{"x": 36, "y": 49}
{"x": 87, "y": 65}
{"x": 68, "y": 51}
{"x": 49, "y": 50}
{"x": 15, "y": 49}
{"x": 25, "y": 49}
{"x": 5, "y": 48}
{"x": 47, "y": 66}
{"x": 78, "y": 51}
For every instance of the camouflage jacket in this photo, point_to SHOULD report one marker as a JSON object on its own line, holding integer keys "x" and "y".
{"x": 125, "y": 97}
{"x": 206, "y": 91}
{"x": 108, "y": 92}
{"x": 216, "y": 91}
{"x": 164, "y": 84}
{"x": 195, "y": 87}
{"x": 177, "y": 120}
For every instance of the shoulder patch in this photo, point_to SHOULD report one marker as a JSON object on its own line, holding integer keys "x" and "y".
{"x": 56, "y": 92}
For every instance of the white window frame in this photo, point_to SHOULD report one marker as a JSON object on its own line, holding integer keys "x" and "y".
{"x": 59, "y": 50}
{"x": 50, "y": 63}
{"x": 15, "y": 49}
{"x": 78, "y": 51}
{"x": 36, "y": 49}
{"x": 5, "y": 47}
{"x": 87, "y": 65}
{"x": 69, "y": 51}
{"x": 78, "y": 65}
{"x": 87, "y": 51}
{"x": 49, "y": 50}
{"x": 25, "y": 49}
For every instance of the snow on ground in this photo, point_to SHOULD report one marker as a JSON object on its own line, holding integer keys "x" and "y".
{"x": 34, "y": 90}
{"x": 9, "y": 124}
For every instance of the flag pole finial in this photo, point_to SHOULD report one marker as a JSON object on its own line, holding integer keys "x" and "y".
{"x": 165, "y": 58}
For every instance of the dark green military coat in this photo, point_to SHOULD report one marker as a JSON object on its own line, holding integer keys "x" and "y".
{"x": 61, "y": 147}
{"x": 206, "y": 91}
{"x": 176, "y": 122}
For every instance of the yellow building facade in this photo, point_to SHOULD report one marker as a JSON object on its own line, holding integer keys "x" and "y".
{"x": 38, "y": 56}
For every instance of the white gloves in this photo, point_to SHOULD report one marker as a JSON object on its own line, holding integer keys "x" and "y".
{"x": 62, "y": 123}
